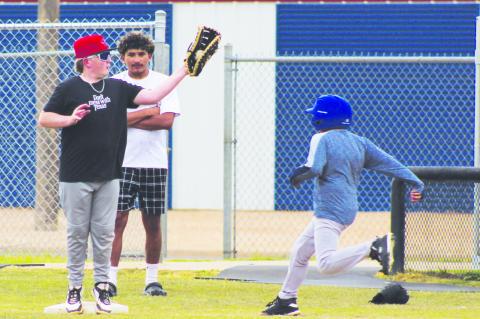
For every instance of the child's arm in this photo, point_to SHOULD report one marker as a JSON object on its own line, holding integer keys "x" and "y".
{"x": 380, "y": 161}
{"x": 299, "y": 175}
{"x": 316, "y": 161}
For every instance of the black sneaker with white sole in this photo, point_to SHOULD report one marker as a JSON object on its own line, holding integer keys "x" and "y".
{"x": 154, "y": 289}
{"x": 73, "y": 304}
{"x": 102, "y": 297}
{"x": 381, "y": 252}
{"x": 282, "y": 307}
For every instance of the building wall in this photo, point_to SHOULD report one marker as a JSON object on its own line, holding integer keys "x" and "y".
{"x": 198, "y": 133}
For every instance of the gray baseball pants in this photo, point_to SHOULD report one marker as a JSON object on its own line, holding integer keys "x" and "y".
{"x": 90, "y": 208}
{"x": 320, "y": 237}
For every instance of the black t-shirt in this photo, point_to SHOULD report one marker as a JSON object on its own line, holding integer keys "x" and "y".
{"x": 93, "y": 149}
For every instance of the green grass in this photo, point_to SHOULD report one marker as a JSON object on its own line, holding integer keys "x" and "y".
{"x": 451, "y": 277}
{"x": 26, "y": 259}
{"x": 24, "y": 292}
{"x": 40, "y": 259}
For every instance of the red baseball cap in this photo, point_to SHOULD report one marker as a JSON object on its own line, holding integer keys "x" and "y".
{"x": 89, "y": 45}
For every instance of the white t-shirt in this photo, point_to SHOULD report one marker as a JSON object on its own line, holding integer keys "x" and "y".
{"x": 148, "y": 149}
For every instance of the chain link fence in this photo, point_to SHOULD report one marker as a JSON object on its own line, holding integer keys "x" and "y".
{"x": 34, "y": 59}
{"x": 421, "y": 110}
{"x": 442, "y": 231}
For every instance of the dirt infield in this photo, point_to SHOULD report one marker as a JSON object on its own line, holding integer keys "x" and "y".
{"x": 199, "y": 233}
{"x": 191, "y": 233}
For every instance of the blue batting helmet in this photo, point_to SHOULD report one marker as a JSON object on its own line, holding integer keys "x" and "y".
{"x": 330, "y": 111}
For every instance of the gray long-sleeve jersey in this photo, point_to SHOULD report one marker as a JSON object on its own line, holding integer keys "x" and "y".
{"x": 336, "y": 160}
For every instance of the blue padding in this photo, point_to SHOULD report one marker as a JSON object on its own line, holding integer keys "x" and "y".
{"x": 384, "y": 113}
{"x": 420, "y": 104}
{"x": 393, "y": 29}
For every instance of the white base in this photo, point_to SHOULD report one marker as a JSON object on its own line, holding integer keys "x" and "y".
{"x": 88, "y": 307}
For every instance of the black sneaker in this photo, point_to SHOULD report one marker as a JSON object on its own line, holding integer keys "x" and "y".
{"x": 112, "y": 289}
{"x": 102, "y": 297}
{"x": 381, "y": 252}
{"x": 154, "y": 289}
{"x": 282, "y": 307}
{"x": 73, "y": 304}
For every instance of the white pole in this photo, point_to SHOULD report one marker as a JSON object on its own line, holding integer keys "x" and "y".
{"x": 228, "y": 150}
{"x": 161, "y": 58}
{"x": 161, "y": 63}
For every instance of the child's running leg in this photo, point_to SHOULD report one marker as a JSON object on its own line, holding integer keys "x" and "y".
{"x": 331, "y": 261}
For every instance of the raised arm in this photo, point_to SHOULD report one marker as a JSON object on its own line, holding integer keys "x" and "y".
{"x": 199, "y": 52}
{"x": 153, "y": 96}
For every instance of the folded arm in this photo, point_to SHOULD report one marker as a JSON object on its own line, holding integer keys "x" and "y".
{"x": 156, "y": 122}
{"x": 140, "y": 115}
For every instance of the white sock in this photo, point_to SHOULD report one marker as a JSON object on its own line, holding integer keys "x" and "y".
{"x": 70, "y": 287}
{"x": 103, "y": 286}
{"x": 112, "y": 275}
{"x": 152, "y": 274}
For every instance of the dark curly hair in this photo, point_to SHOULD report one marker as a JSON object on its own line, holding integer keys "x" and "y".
{"x": 135, "y": 40}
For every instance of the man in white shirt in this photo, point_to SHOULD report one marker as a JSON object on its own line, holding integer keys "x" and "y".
{"x": 145, "y": 165}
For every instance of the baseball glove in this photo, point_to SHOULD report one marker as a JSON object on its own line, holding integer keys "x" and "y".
{"x": 202, "y": 49}
{"x": 391, "y": 294}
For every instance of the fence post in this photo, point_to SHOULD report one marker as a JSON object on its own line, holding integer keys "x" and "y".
{"x": 161, "y": 63}
{"x": 476, "y": 208}
{"x": 398, "y": 225}
{"x": 161, "y": 57}
{"x": 228, "y": 149}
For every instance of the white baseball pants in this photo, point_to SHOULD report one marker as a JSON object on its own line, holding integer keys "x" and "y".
{"x": 320, "y": 237}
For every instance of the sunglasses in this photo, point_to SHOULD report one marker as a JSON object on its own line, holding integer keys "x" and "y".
{"x": 103, "y": 56}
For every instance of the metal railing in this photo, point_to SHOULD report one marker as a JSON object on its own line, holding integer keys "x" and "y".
{"x": 442, "y": 231}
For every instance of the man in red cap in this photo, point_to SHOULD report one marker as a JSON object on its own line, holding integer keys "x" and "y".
{"x": 91, "y": 110}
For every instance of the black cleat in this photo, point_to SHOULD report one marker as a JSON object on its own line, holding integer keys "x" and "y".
{"x": 282, "y": 307}
{"x": 381, "y": 252}
{"x": 154, "y": 289}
